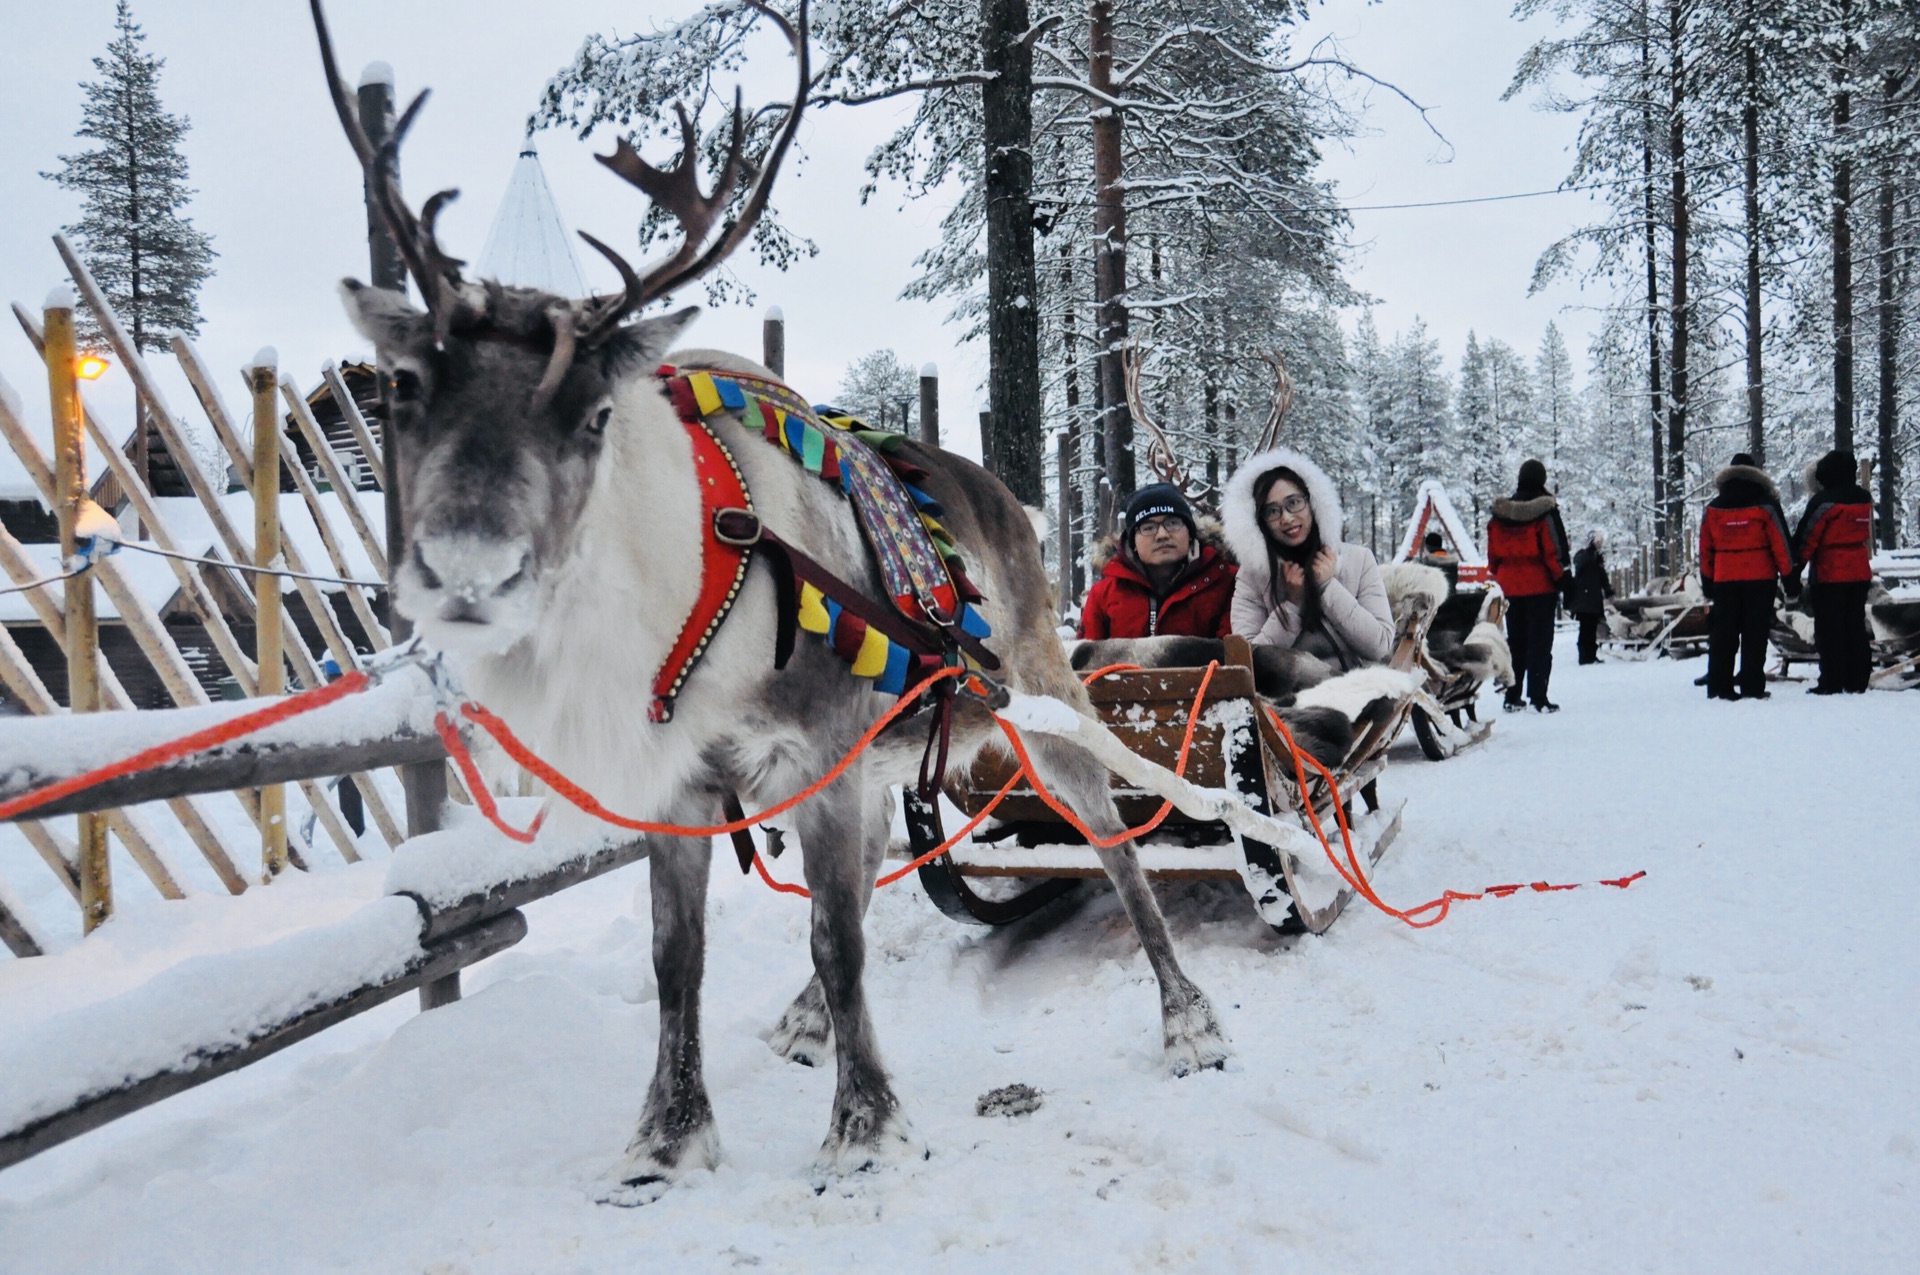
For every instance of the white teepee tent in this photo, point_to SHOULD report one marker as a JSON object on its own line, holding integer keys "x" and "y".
{"x": 528, "y": 246}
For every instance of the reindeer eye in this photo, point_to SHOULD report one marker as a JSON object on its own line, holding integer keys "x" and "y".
{"x": 405, "y": 386}
{"x": 597, "y": 423}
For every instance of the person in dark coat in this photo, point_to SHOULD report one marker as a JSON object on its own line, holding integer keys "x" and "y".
{"x": 1743, "y": 554}
{"x": 1834, "y": 545}
{"x": 1527, "y": 553}
{"x": 1591, "y": 589}
{"x": 1434, "y": 553}
{"x": 1162, "y": 579}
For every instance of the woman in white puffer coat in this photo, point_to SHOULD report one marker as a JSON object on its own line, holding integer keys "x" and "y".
{"x": 1300, "y": 585}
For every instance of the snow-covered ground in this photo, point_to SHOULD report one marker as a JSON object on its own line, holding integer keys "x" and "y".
{"x": 1711, "y": 1071}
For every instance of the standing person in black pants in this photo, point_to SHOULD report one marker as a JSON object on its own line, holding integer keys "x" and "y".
{"x": 1591, "y": 589}
{"x": 1834, "y": 542}
{"x": 1743, "y": 554}
{"x": 1527, "y": 552}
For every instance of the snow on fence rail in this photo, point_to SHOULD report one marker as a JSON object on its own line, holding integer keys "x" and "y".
{"x": 450, "y": 898}
{"x": 322, "y": 533}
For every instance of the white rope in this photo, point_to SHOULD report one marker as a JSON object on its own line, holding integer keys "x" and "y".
{"x": 260, "y": 571}
{"x": 43, "y": 581}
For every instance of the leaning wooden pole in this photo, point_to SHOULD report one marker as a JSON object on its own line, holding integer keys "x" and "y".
{"x": 83, "y": 656}
{"x": 425, "y": 786}
{"x": 266, "y": 589}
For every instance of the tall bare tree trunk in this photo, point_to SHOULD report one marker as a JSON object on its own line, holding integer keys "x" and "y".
{"x": 1073, "y": 571}
{"x": 1013, "y": 319}
{"x": 1655, "y": 379}
{"x": 1889, "y": 334}
{"x": 1843, "y": 235}
{"x": 1750, "y": 131}
{"x": 1110, "y": 255}
{"x": 1678, "y": 390}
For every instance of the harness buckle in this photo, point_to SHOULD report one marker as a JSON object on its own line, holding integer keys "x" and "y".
{"x": 737, "y": 527}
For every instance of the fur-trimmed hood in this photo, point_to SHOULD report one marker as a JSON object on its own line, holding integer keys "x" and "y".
{"x": 1730, "y": 475}
{"x": 1510, "y": 509}
{"x": 1241, "y": 521}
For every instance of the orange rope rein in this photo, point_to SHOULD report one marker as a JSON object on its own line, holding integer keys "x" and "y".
{"x": 1357, "y": 879}
{"x": 1351, "y": 872}
{"x": 1065, "y": 812}
{"x": 212, "y": 736}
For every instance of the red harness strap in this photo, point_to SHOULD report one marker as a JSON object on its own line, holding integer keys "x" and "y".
{"x": 723, "y": 565}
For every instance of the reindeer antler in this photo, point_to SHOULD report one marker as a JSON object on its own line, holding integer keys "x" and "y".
{"x": 1160, "y": 457}
{"x": 438, "y": 274}
{"x": 582, "y": 325}
{"x": 677, "y": 190}
{"x": 1282, "y": 401}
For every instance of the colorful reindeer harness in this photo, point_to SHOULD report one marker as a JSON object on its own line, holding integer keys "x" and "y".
{"x": 929, "y": 619}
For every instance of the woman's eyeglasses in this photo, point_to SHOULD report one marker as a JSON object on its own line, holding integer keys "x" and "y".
{"x": 1291, "y": 507}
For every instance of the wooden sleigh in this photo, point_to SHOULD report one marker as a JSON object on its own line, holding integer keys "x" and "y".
{"x": 1025, "y": 855}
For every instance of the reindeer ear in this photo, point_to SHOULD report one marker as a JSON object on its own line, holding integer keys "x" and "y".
{"x": 645, "y": 343}
{"x": 384, "y": 317}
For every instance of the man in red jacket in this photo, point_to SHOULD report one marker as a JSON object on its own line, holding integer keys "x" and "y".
{"x": 1527, "y": 553}
{"x": 1743, "y": 554}
{"x": 1835, "y": 543}
{"x": 1161, "y": 580}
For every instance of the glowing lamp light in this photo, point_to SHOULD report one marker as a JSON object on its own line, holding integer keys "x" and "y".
{"x": 88, "y": 367}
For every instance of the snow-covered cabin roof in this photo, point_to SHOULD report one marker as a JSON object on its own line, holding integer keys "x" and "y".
{"x": 529, "y": 246}
{"x": 1430, "y": 503}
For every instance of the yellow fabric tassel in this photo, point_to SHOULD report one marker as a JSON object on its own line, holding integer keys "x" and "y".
{"x": 704, "y": 393}
{"x": 872, "y": 659}
{"x": 813, "y": 611}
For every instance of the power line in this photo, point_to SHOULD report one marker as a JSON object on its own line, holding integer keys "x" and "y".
{"x": 1479, "y": 199}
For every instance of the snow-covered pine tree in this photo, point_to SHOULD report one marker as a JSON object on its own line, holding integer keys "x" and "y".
{"x": 133, "y": 233}
{"x": 1511, "y": 394}
{"x": 1556, "y": 408}
{"x": 881, "y": 389}
{"x": 1479, "y": 440}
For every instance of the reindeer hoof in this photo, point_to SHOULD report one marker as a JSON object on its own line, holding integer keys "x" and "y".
{"x": 647, "y": 1171}
{"x": 1194, "y": 1039}
{"x": 635, "y": 1194}
{"x": 804, "y": 1033}
{"x": 895, "y": 1143}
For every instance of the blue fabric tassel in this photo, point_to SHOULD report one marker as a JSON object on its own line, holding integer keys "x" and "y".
{"x": 893, "y": 678}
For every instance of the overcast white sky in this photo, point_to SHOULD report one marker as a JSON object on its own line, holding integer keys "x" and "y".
{"x": 279, "y": 189}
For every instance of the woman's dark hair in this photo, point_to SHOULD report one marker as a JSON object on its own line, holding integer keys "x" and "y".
{"x": 1301, "y": 555}
{"x": 1533, "y": 481}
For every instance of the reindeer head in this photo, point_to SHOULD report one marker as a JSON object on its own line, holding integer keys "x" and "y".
{"x": 501, "y": 398}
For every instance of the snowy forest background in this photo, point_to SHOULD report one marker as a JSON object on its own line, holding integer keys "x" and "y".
{"x": 1756, "y": 164}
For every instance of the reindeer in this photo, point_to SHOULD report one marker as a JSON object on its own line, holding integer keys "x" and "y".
{"x": 552, "y": 531}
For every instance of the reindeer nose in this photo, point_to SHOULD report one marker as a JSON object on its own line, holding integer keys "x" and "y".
{"x": 468, "y": 571}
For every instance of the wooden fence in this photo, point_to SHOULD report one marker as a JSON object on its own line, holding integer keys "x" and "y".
{"x": 237, "y": 614}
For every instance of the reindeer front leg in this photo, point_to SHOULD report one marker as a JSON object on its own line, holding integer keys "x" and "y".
{"x": 867, "y": 1127}
{"x": 676, "y": 1133}
{"x": 1191, "y": 1032}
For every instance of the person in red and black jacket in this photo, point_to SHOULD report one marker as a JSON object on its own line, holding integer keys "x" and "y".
{"x": 1834, "y": 543}
{"x": 1743, "y": 554}
{"x": 1527, "y": 552}
{"x": 1162, "y": 579}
